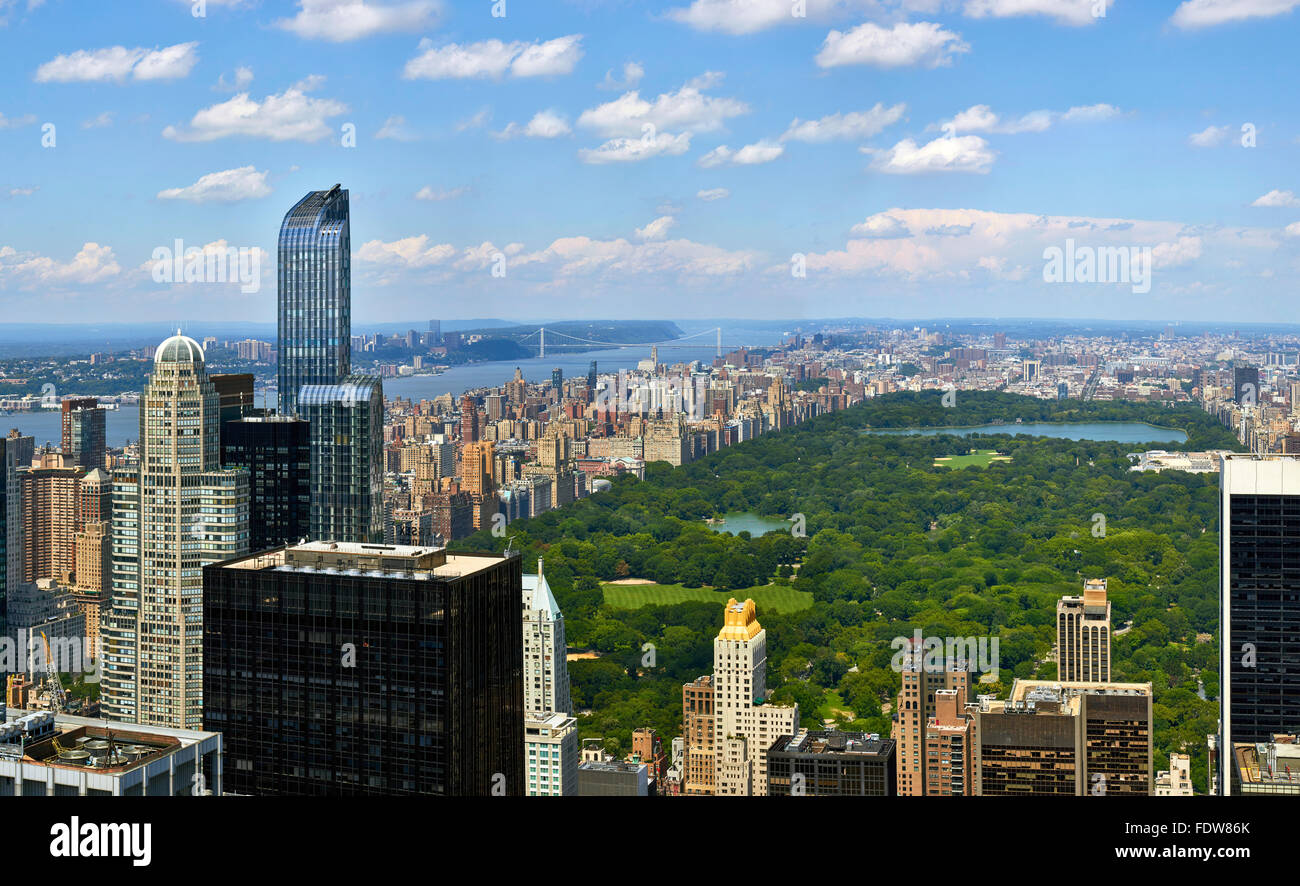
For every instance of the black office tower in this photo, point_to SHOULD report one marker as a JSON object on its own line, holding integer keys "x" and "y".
{"x": 1259, "y": 599}
{"x": 274, "y": 450}
{"x": 1245, "y": 385}
{"x": 353, "y": 669}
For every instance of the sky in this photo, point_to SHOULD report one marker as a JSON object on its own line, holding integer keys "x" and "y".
{"x": 593, "y": 159}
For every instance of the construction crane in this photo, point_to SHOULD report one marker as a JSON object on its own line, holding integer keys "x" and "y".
{"x": 53, "y": 685}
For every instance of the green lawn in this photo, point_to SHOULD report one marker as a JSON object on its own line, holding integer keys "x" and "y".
{"x": 771, "y": 598}
{"x": 980, "y": 458}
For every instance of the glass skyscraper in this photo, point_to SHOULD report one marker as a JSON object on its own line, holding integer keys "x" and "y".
{"x": 345, "y": 411}
{"x": 347, "y": 452}
{"x": 1259, "y": 595}
{"x": 314, "y": 279}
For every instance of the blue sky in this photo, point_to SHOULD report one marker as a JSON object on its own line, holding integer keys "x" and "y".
{"x": 672, "y": 159}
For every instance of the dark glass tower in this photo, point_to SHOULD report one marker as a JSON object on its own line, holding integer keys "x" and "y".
{"x": 1259, "y": 598}
{"x": 274, "y": 451}
{"x": 347, "y": 458}
{"x": 347, "y": 670}
{"x": 83, "y": 433}
{"x": 315, "y": 295}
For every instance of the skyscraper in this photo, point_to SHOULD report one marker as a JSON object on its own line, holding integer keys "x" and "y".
{"x": 117, "y": 621}
{"x": 83, "y": 433}
{"x": 1259, "y": 600}
{"x": 1083, "y": 634}
{"x": 1245, "y": 385}
{"x": 1065, "y": 739}
{"x": 546, "y": 670}
{"x": 274, "y": 449}
{"x": 918, "y": 707}
{"x": 345, "y": 410}
{"x": 192, "y": 512}
{"x": 744, "y": 725}
{"x": 50, "y": 524}
{"x": 314, "y": 295}
{"x": 11, "y": 529}
{"x": 348, "y": 669}
{"x": 347, "y": 459}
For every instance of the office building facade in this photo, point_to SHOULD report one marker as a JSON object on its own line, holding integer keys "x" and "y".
{"x": 1259, "y": 600}
{"x": 350, "y": 669}
{"x": 275, "y": 451}
{"x": 831, "y": 764}
{"x": 346, "y": 442}
{"x": 1083, "y": 635}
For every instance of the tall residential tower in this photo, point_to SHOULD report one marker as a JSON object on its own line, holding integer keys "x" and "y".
{"x": 314, "y": 279}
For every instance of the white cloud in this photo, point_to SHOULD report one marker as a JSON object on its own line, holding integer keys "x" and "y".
{"x": 99, "y": 121}
{"x": 1292, "y": 230}
{"x": 903, "y": 45}
{"x": 437, "y": 196}
{"x": 15, "y": 122}
{"x": 750, "y": 16}
{"x": 1182, "y": 251}
{"x": 1091, "y": 113}
{"x": 117, "y": 63}
{"x": 711, "y": 194}
{"x": 981, "y": 118}
{"x": 243, "y": 77}
{"x": 881, "y": 227}
{"x": 24, "y": 192}
{"x": 291, "y": 115}
{"x": 341, "y": 20}
{"x": 227, "y": 186}
{"x": 545, "y": 124}
{"x": 411, "y": 252}
{"x": 853, "y": 125}
{"x": 632, "y": 74}
{"x": 764, "y": 151}
{"x": 1066, "y": 12}
{"x": 688, "y": 109}
{"x": 920, "y": 244}
{"x": 630, "y": 150}
{"x": 963, "y": 153}
{"x": 92, "y": 264}
{"x": 482, "y": 117}
{"x": 657, "y": 229}
{"x": 395, "y": 129}
{"x": 1277, "y": 199}
{"x": 1206, "y": 13}
{"x": 494, "y": 58}
{"x": 1209, "y": 137}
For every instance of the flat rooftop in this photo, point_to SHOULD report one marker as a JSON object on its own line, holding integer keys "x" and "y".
{"x": 102, "y": 745}
{"x": 857, "y": 743}
{"x": 370, "y": 560}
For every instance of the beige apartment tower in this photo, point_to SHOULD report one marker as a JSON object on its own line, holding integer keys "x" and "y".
{"x": 745, "y": 726}
{"x": 1083, "y": 635}
{"x": 699, "y": 767}
{"x": 192, "y": 513}
{"x": 918, "y": 720}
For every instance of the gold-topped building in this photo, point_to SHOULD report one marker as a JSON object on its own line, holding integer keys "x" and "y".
{"x": 745, "y": 726}
{"x": 741, "y": 621}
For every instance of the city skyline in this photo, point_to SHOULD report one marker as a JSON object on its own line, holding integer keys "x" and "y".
{"x": 895, "y": 153}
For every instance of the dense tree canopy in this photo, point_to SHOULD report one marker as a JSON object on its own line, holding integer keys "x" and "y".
{"x": 894, "y": 544}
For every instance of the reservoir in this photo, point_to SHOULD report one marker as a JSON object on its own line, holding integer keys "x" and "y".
{"x": 1107, "y": 431}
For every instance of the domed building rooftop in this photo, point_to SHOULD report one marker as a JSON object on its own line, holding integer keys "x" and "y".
{"x": 179, "y": 349}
